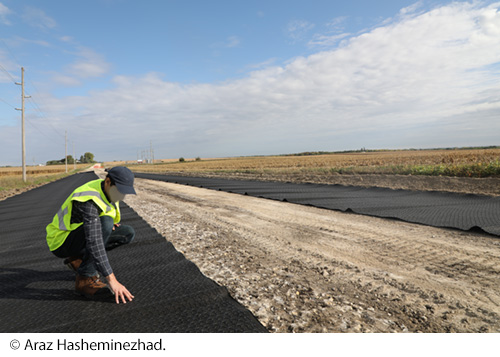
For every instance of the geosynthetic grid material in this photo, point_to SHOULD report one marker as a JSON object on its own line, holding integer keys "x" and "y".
{"x": 438, "y": 209}
{"x": 37, "y": 290}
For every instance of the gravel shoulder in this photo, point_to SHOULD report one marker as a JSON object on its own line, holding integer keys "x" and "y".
{"x": 304, "y": 269}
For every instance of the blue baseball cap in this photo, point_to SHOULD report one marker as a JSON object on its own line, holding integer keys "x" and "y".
{"x": 123, "y": 178}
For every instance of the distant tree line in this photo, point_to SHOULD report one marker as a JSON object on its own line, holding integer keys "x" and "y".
{"x": 312, "y": 153}
{"x": 87, "y": 158}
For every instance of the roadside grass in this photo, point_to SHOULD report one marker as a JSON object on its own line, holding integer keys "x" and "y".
{"x": 15, "y": 182}
{"x": 478, "y": 170}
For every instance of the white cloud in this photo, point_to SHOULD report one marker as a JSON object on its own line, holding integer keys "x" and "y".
{"x": 264, "y": 64}
{"x": 337, "y": 24}
{"x": 489, "y": 21}
{"x": 88, "y": 68}
{"x": 42, "y": 43}
{"x": 67, "y": 39}
{"x": 38, "y": 18}
{"x": 327, "y": 41}
{"x": 412, "y": 9}
{"x": 332, "y": 35}
{"x": 4, "y": 12}
{"x": 297, "y": 30}
{"x": 8, "y": 65}
{"x": 88, "y": 64}
{"x": 411, "y": 73}
{"x": 66, "y": 81}
{"x": 230, "y": 42}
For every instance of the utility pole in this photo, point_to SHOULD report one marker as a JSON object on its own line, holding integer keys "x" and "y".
{"x": 22, "y": 122}
{"x": 151, "y": 151}
{"x": 66, "y": 149}
{"x": 74, "y": 159}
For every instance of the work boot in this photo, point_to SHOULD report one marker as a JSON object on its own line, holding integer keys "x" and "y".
{"x": 73, "y": 263}
{"x": 91, "y": 287}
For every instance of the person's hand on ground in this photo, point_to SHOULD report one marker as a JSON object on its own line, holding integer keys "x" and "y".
{"x": 120, "y": 291}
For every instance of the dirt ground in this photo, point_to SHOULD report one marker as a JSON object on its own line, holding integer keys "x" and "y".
{"x": 303, "y": 269}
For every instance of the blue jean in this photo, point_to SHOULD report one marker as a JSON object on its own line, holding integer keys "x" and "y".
{"x": 75, "y": 244}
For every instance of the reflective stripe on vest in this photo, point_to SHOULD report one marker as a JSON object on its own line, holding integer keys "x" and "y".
{"x": 60, "y": 216}
{"x": 95, "y": 194}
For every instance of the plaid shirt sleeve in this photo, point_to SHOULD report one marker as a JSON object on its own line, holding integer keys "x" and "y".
{"x": 89, "y": 214}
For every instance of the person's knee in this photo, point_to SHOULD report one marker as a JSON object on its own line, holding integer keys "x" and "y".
{"x": 121, "y": 235}
{"x": 130, "y": 234}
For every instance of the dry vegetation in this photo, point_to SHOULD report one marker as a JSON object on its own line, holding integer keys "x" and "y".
{"x": 38, "y": 170}
{"x": 11, "y": 182}
{"x": 459, "y": 163}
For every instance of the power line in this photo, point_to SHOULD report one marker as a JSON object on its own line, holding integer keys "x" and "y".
{"x": 10, "y": 52}
{"x": 37, "y": 108}
{"x": 13, "y": 80}
{"x": 15, "y": 60}
{"x": 31, "y": 101}
{"x": 42, "y": 115}
{"x": 37, "y": 128}
{"x": 35, "y": 104}
{"x": 10, "y": 105}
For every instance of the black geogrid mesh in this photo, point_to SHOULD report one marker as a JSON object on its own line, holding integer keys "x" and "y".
{"x": 36, "y": 290}
{"x": 439, "y": 209}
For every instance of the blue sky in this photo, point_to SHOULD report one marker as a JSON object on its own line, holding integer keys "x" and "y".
{"x": 230, "y": 78}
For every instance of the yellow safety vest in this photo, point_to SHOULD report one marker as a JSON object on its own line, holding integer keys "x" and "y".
{"x": 61, "y": 225}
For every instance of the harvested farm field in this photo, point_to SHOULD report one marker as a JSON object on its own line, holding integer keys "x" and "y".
{"x": 461, "y": 170}
{"x": 455, "y": 163}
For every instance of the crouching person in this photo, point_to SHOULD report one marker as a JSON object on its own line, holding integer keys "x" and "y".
{"x": 86, "y": 226}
